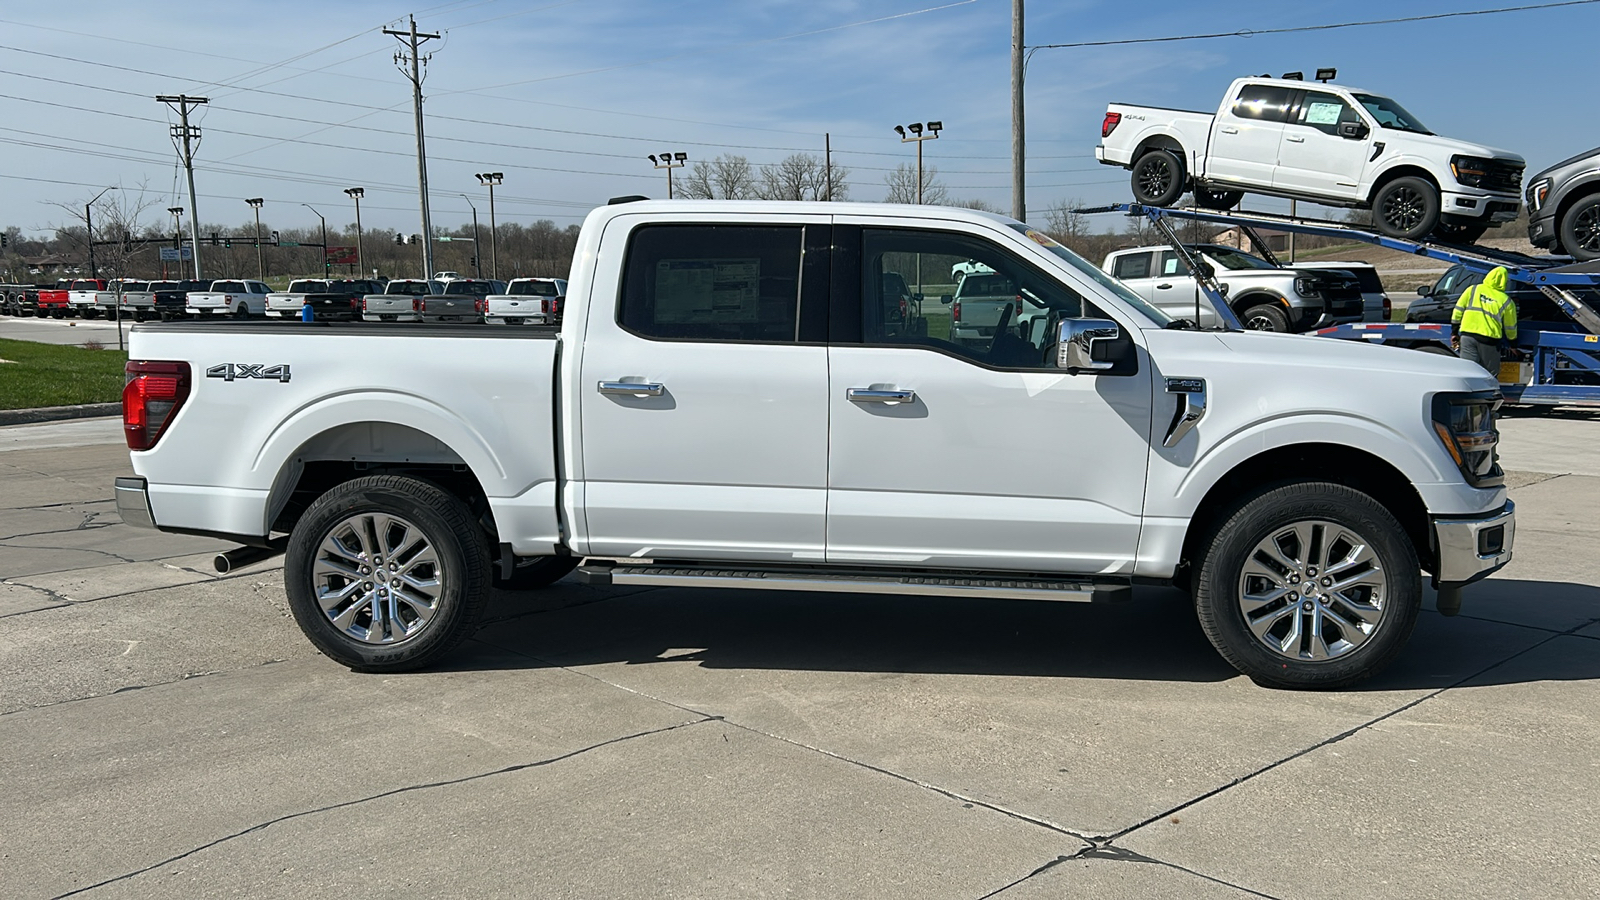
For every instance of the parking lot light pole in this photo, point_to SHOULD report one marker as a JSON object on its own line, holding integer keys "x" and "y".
{"x": 261, "y": 264}
{"x": 361, "y": 257}
{"x": 88, "y": 224}
{"x": 177, "y": 217}
{"x": 489, "y": 180}
{"x": 326, "y": 268}
{"x": 669, "y": 161}
{"x": 917, "y": 137}
{"x": 477, "y": 254}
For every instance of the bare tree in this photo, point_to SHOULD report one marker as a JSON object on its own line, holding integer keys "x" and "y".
{"x": 116, "y": 220}
{"x": 728, "y": 177}
{"x": 902, "y": 184}
{"x": 975, "y": 203}
{"x": 1062, "y": 223}
{"x": 801, "y": 176}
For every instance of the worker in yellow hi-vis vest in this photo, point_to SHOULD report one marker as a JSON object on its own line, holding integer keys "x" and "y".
{"x": 1484, "y": 321}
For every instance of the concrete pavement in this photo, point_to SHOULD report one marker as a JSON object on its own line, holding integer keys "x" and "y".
{"x": 168, "y": 732}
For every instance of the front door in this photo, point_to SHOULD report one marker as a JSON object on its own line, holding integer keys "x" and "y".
{"x": 1313, "y": 158}
{"x": 951, "y": 455}
{"x": 703, "y": 392}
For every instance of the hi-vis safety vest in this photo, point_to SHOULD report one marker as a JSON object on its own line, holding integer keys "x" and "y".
{"x": 1486, "y": 309}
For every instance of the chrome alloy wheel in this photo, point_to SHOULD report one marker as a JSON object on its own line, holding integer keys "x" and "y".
{"x": 1313, "y": 590}
{"x": 377, "y": 578}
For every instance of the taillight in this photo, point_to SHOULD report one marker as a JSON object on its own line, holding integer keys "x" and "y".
{"x": 480, "y": 305}
{"x": 1387, "y": 309}
{"x": 1113, "y": 119}
{"x": 363, "y": 304}
{"x": 955, "y": 310}
{"x": 358, "y": 305}
{"x": 416, "y": 304}
{"x": 151, "y": 397}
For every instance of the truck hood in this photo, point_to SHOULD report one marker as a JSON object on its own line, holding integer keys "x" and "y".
{"x": 1452, "y": 145}
{"x": 1314, "y": 372}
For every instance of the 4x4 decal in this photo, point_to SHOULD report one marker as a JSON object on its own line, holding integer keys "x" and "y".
{"x": 231, "y": 371}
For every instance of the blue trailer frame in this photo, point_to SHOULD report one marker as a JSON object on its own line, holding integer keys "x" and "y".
{"x": 1557, "y": 353}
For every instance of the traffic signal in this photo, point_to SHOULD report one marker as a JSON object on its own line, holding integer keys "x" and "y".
{"x": 473, "y": 262}
{"x": 399, "y": 238}
{"x": 227, "y": 242}
{"x": 416, "y": 239}
{"x": 5, "y": 239}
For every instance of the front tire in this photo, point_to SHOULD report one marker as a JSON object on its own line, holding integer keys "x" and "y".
{"x": 387, "y": 573}
{"x": 1265, "y": 317}
{"x": 1309, "y": 586}
{"x": 1406, "y": 208}
{"x": 1580, "y": 229}
{"x": 1158, "y": 178}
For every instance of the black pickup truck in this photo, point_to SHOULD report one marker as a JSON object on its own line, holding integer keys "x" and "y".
{"x": 342, "y": 301}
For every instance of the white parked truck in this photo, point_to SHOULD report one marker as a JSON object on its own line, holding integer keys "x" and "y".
{"x": 1265, "y": 297}
{"x": 286, "y": 304}
{"x": 527, "y": 301}
{"x": 726, "y": 405}
{"x": 1333, "y": 145}
{"x": 401, "y": 301}
{"x": 235, "y": 297}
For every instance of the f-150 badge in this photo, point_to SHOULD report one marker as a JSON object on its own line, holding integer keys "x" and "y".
{"x": 231, "y": 371}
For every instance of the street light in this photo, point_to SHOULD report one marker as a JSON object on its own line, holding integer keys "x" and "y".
{"x": 489, "y": 180}
{"x": 361, "y": 258}
{"x": 917, "y": 137}
{"x": 177, "y": 217}
{"x": 88, "y": 224}
{"x": 326, "y": 268}
{"x": 669, "y": 161}
{"x": 261, "y": 265}
{"x": 477, "y": 258}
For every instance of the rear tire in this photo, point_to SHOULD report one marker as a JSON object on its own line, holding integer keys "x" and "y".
{"x": 1346, "y": 562}
{"x": 243, "y": 312}
{"x": 1406, "y": 208}
{"x": 435, "y": 566}
{"x": 1580, "y": 229}
{"x": 1158, "y": 178}
{"x": 1265, "y": 317}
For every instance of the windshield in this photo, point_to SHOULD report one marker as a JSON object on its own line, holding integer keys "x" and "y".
{"x": 1098, "y": 277}
{"x": 534, "y": 288}
{"x": 1229, "y": 258}
{"x": 1390, "y": 114}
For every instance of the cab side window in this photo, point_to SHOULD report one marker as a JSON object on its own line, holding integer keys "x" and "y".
{"x": 713, "y": 283}
{"x": 1172, "y": 266}
{"x": 962, "y": 296}
{"x": 1263, "y": 102}
{"x": 1325, "y": 112}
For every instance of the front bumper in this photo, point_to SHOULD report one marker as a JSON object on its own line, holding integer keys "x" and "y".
{"x": 133, "y": 502}
{"x": 1479, "y": 206}
{"x": 1542, "y": 228}
{"x": 1472, "y": 547}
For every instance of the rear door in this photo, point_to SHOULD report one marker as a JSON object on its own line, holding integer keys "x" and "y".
{"x": 1313, "y": 158}
{"x": 702, "y": 392}
{"x": 1246, "y": 134}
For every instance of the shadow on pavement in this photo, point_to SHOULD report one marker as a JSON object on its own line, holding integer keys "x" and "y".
{"x": 1154, "y": 637}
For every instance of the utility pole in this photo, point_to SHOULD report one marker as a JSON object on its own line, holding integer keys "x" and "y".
{"x": 413, "y": 41}
{"x": 827, "y": 166}
{"x": 261, "y": 261}
{"x": 1019, "y": 179}
{"x": 489, "y": 180}
{"x": 188, "y": 133}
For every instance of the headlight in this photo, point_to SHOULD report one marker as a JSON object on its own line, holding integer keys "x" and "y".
{"x": 1469, "y": 170}
{"x": 1539, "y": 191}
{"x": 1305, "y": 286}
{"x": 1466, "y": 425}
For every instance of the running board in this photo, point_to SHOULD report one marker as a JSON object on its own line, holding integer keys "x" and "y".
{"x": 853, "y": 581}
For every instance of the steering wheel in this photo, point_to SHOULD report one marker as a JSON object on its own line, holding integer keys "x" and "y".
{"x": 1000, "y": 328}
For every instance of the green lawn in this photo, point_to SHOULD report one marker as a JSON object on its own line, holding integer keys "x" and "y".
{"x": 33, "y": 375}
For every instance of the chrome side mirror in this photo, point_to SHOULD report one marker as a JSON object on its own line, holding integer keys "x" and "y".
{"x": 1076, "y": 342}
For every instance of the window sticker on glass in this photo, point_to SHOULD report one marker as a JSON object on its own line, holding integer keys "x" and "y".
{"x": 707, "y": 290}
{"x": 1323, "y": 113}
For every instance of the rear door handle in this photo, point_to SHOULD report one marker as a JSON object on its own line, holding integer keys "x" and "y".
{"x": 1229, "y": 129}
{"x": 632, "y": 388}
{"x": 1295, "y": 140}
{"x": 873, "y": 395}
{"x": 1163, "y": 287}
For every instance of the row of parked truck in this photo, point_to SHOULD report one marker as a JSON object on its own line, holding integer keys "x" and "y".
{"x": 522, "y": 301}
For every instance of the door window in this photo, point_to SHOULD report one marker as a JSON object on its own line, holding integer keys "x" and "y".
{"x": 1132, "y": 265}
{"x": 1172, "y": 266}
{"x": 1262, "y": 102}
{"x": 1325, "y": 112}
{"x": 713, "y": 283}
{"x": 1005, "y": 317}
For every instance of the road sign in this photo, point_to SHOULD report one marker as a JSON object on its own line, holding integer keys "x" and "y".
{"x": 288, "y": 243}
{"x": 342, "y": 256}
{"x": 170, "y": 254}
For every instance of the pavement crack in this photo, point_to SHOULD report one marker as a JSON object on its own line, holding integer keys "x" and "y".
{"x": 117, "y": 557}
{"x": 1102, "y": 848}
{"x": 452, "y": 782}
{"x": 129, "y": 688}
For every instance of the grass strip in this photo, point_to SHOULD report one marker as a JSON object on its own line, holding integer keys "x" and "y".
{"x": 34, "y": 375}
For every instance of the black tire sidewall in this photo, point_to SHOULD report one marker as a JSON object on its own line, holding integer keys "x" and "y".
{"x": 1217, "y": 584}
{"x": 455, "y": 538}
{"x": 1280, "y": 319}
{"x": 542, "y": 573}
{"x": 1569, "y": 234}
{"x": 1430, "y": 218}
{"x": 1174, "y": 191}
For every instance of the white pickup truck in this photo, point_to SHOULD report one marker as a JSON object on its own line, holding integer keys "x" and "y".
{"x": 236, "y": 297}
{"x": 286, "y": 304}
{"x": 725, "y": 405}
{"x": 1265, "y": 297}
{"x": 527, "y": 301}
{"x": 1332, "y": 145}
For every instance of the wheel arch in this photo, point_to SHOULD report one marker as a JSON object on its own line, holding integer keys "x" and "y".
{"x": 1570, "y": 199}
{"x": 1401, "y": 170}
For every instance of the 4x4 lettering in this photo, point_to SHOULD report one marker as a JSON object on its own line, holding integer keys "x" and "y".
{"x": 231, "y": 371}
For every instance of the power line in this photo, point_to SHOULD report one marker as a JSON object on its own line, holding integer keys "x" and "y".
{"x": 1252, "y": 32}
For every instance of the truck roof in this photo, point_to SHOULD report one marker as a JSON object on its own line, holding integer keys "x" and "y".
{"x": 679, "y": 209}
{"x": 1296, "y": 84}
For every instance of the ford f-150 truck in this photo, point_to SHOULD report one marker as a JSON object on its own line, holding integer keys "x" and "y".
{"x": 401, "y": 301}
{"x": 460, "y": 300}
{"x": 341, "y": 301}
{"x": 286, "y": 304}
{"x": 1333, "y": 145}
{"x": 1564, "y": 207}
{"x": 52, "y": 301}
{"x": 81, "y": 296}
{"x": 725, "y": 405}
{"x": 527, "y": 301}
{"x": 1264, "y": 297}
{"x": 236, "y": 297}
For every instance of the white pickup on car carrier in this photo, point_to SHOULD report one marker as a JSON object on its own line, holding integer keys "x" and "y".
{"x": 733, "y": 400}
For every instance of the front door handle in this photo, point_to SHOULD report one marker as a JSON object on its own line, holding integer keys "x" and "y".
{"x": 1229, "y": 129}
{"x": 1295, "y": 140}
{"x": 632, "y": 388}
{"x": 1163, "y": 287}
{"x": 873, "y": 395}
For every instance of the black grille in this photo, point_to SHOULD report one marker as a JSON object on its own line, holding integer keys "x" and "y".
{"x": 1502, "y": 176}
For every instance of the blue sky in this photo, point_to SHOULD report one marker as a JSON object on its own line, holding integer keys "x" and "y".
{"x": 567, "y": 98}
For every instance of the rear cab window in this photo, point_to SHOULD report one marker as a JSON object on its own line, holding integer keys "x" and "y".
{"x": 1262, "y": 103}
{"x": 1131, "y": 265}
